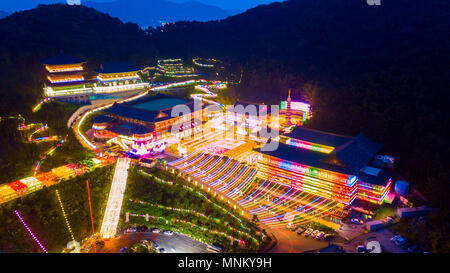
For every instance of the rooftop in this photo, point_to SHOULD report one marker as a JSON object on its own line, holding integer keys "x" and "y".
{"x": 304, "y": 157}
{"x": 351, "y": 158}
{"x": 149, "y": 109}
{"x": 129, "y": 129}
{"x": 318, "y": 137}
{"x": 357, "y": 153}
{"x": 120, "y": 67}
{"x": 101, "y": 119}
{"x": 62, "y": 59}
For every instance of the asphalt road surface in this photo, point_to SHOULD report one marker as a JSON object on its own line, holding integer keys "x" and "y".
{"x": 290, "y": 242}
{"x": 383, "y": 236}
{"x": 175, "y": 243}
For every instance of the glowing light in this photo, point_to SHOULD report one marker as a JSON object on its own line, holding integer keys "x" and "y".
{"x": 90, "y": 206}
{"x": 29, "y": 231}
{"x": 65, "y": 216}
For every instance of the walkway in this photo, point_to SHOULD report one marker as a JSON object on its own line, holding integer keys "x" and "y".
{"x": 112, "y": 212}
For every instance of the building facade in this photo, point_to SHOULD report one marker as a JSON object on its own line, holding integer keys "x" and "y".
{"x": 145, "y": 125}
{"x": 332, "y": 166}
{"x": 65, "y": 76}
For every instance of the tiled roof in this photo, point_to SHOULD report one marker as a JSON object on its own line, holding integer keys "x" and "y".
{"x": 357, "y": 153}
{"x": 318, "y": 137}
{"x": 129, "y": 111}
{"x": 304, "y": 157}
{"x": 128, "y": 129}
{"x": 101, "y": 119}
{"x": 62, "y": 59}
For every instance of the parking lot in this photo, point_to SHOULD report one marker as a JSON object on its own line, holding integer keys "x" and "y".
{"x": 383, "y": 236}
{"x": 175, "y": 243}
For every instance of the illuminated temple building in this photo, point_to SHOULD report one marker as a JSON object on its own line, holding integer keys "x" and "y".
{"x": 144, "y": 125}
{"x": 65, "y": 75}
{"x": 332, "y": 166}
{"x": 120, "y": 76}
{"x": 294, "y": 112}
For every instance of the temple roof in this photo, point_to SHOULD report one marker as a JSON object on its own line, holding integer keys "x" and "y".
{"x": 128, "y": 110}
{"x": 120, "y": 67}
{"x": 62, "y": 59}
{"x": 304, "y": 157}
{"x": 318, "y": 137}
{"x": 133, "y": 113}
{"x": 357, "y": 153}
{"x": 351, "y": 158}
{"x": 101, "y": 119}
{"x": 129, "y": 129}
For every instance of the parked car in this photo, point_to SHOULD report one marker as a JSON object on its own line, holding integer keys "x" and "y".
{"x": 122, "y": 250}
{"x": 308, "y": 232}
{"x": 328, "y": 237}
{"x": 130, "y": 230}
{"x": 156, "y": 230}
{"x": 161, "y": 250}
{"x": 155, "y": 245}
{"x": 168, "y": 232}
{"x": 357, "y": 221}
{"x": 315, "y": 233}
{"x": 361, "y": 249}
{"x": 413, "y": 249}
{"x": 395, "y": 238}
{"x": 300, "y": 231}
{"x": 320, "y": 235}
{"x": 402, "y": 242}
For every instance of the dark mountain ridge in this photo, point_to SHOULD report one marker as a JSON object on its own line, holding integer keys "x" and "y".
{"x": 153, "y": 13}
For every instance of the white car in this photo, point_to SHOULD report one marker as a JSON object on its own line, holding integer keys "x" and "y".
{"x": 308, "y": 232}
{"x": 168, "y": 232}
{"x": 130, "y": 230}
{"x": 156, "y": 230}
{"x": 315, "y": 233}
{"x": 320, "y": 235}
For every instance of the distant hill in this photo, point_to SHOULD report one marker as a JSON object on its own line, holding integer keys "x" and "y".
{"x": 3, "y": 14}
{"x": 20, "y": 5}
{"x": 324, "y": 36}
{"x": 153, "y": 13}
{"x": 238, "y": 5}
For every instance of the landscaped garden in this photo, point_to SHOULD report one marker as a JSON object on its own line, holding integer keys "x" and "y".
{"x": 175, "y": 204}
{"x": 42, "y": 212}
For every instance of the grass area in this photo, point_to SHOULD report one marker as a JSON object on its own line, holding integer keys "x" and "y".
{"x": 385, "y": 210}
{"x": 192, "y": 207}
{"x": 87, "y": 123}
{"x": 42, "y": 213}
{"x": 430, "y": 232}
